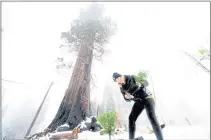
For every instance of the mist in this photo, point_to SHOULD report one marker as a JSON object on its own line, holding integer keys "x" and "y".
{"x": 150, "y": 36}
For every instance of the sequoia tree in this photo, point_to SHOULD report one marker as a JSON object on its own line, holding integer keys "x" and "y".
{"x": 87, "y": 36}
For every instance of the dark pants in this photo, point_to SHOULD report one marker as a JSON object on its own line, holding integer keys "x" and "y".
{"x": 137, "y": 108}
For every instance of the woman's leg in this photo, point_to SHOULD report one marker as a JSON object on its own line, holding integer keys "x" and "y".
{"x": 135, "y": 112}
{"x": 150, "y": 109}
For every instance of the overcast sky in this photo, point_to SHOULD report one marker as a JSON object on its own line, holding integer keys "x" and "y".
{"x": 150, "y": 36}
{"x": 32, "y": 34}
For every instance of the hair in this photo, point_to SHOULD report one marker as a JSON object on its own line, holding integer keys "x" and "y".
{"x": 116, "y": 75}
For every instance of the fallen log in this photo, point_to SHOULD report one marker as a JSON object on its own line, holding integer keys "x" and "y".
{"x": 69, "y": 135}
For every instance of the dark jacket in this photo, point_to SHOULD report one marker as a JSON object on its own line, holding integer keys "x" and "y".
{"x": 132, "y": 88}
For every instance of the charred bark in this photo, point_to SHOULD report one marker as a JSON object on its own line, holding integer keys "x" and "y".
{"x": 62, "y": 114}
{"x": 75, "y": 105}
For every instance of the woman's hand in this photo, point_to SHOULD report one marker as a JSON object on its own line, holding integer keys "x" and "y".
{"x": 128, "y": 96}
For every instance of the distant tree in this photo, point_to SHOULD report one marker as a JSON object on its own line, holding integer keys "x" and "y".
{"x": 94, "y": 105}
{"x": 110, "y": 105}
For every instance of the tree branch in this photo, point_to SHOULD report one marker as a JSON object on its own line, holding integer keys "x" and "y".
{"x": 197, "y": 62}
{"x": 205, "y": 57}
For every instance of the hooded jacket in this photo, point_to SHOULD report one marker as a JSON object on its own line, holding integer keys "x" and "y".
{"x": 132, "y": 88}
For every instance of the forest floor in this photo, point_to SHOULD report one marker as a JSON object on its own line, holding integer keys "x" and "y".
{"x": 170, "y": 133}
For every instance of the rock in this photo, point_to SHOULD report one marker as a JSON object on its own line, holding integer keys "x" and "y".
{"x": 88, "y": 125}
{"x": 94, "y": 119}
{"x": 96, "y": 127}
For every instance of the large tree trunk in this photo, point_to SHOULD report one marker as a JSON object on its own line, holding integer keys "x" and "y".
{"x": 75, "y": 104}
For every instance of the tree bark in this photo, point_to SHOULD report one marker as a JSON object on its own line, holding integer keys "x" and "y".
{"x": 75, "y": 105}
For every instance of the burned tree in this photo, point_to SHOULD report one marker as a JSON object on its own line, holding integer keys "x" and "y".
{"x": 87, "y": 36}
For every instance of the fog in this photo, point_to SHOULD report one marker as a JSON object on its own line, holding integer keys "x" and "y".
{"x": 150, "y": 36}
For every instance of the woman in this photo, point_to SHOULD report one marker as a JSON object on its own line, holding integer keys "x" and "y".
{"x": 131, "y": 91}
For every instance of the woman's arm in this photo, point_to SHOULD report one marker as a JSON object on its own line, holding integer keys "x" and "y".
{"x": 123, "y": 93}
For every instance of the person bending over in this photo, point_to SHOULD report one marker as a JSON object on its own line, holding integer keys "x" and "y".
{"x": 143, "y": 100}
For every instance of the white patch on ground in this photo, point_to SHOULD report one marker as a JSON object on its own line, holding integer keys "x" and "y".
{"x": 82, "y": 125}
{"x": 170, "y": 132}
{"x": 88, "y": 120}
{"x": 64, "y": 125}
